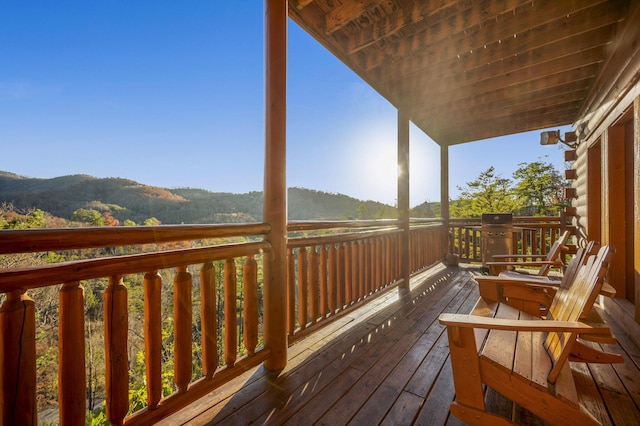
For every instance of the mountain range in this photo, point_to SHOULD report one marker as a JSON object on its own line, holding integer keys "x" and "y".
{"x": 126, "y": 199}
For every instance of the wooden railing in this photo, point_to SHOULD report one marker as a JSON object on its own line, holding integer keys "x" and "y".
{"x": 328, "y": 275}
{"x": 216, "y": 296}
{"x": 533, "y": 235}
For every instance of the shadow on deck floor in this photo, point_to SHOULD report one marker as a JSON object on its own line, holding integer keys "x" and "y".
{"x": 387, "y": 363}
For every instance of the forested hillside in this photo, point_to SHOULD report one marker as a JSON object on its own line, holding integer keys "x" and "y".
{"x": 75, "y": 196}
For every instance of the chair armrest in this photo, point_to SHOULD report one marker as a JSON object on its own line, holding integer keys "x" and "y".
{"x": 531, "y": 263}
{"x": 501, "y": 257}
{"x": 522, "y": 282}
{"x": 473, "y": 321}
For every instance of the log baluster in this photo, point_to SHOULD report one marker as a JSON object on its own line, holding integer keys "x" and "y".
{"x": 348, "y": 264}
{"x": 355, "y": 269}
{"x": 291, "y": 292}
{"x": 313, "y": 284}
{"x": 18, "y": 360}
{"x": 153, "y": 336}
{"x": 230, "y": 315}
{"x": 378, "y": 263}
{"x": 324, "y": 291}
{"x": 302, "y": 287}
{"x": 332, "y": 278}
{"x": 209, "y": 319}
{"x": 372, "y": 266}
{"x": 116, "y": 319}
{"x": 340, "y": 277}
{"x": 361, "y": 269}
{"x": 250, "y": 283}
{"x": 182, "y": 334}
{"x": 72, "y": 378}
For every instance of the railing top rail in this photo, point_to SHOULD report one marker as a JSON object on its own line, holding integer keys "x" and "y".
{"x": 37, "y": 240}
{"x": 313, "y": 225}
{"x": 58, "y": 273}
{"x": 310, "y": 225}
{"x": 339, "y": 238}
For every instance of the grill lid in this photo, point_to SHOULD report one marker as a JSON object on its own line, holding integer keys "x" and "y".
{"x": 497, "y": 218}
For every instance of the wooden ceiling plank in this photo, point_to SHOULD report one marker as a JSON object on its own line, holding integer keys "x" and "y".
{"x": 515, "y": 63}
{"x": 389, "y": 26}
{"x": 346, "y": 12}
{"x": 490, "y": 128}
{"x": 580, "y": 29}
{"x": 464, "y": 98}
{"x": 444, "y": 88}
{"x": 478, "y": 33}
{"x": 559, "y": 106}
{"x": 435, "y": 28}
{"x": 415, "y": 12}
{"x": 300, "y": 4}
{"x": 520, "y": 99}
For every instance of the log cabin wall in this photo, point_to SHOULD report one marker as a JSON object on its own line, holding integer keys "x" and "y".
{"x": 608, "y": 187}
{"x": 607, "y": 181}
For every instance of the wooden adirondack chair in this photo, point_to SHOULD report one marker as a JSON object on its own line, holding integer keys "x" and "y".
{"x": 501, "y": 263}
{"x": 535, "y": 296}
{"x": 522, "y": 356}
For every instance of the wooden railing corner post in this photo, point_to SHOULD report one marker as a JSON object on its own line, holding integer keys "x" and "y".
{"x": 18, "y": 360}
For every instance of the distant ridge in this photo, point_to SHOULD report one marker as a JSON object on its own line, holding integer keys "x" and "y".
{"x": 128, "y": 199}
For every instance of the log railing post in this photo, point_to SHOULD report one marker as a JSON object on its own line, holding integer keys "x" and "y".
{"x": 291, "y": 292}
{"x": 324, "y": 287}
{"x": 183, "y": 338}
{"x": 250, "y": 289}
{"x": 302, "y": 287}
{"x": 18, "y": 360}
{"x": 314, "y": 287}
{"x": 116, "y": 320}
{"x": 72, "y": 378}
{"x": 209, "y": 319}
{"x": 153, "y": 336}
{"x": 230, "y": 313}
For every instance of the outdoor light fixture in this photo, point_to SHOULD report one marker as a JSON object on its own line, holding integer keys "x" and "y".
{"x": 553, "y": 136}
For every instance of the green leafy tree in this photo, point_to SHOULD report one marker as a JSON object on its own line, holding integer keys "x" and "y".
{"x": 488, "y": 193}
{"x": 92, "y": 217}
{"x": 540, "y": 188}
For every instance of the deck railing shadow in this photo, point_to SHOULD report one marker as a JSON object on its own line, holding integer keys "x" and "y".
{"x": 285, "y": 396}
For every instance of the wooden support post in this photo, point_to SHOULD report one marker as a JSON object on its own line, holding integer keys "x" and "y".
{"x": 444, "y": 193}
{"x": 72, "y": 378}
{"x": 275, "y": 184}
{"x": 403, "y": 195}
{"x": 18, "y": 360}
{"x": 636, "y": 204}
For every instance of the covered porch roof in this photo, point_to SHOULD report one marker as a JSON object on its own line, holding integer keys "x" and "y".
{"x": 467, "y": 70}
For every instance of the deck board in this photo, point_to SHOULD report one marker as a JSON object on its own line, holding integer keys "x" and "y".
{"x": 389, "y": 364}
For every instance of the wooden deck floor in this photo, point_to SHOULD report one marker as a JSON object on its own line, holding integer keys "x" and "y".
{"x": 388, "y": 364}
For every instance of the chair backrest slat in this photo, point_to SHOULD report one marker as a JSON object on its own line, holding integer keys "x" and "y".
{"x": 554, "y": 252}
{"x": 573, "y": 303}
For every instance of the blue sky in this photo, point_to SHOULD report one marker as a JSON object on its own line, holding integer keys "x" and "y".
{"x": 171, "y": 94}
